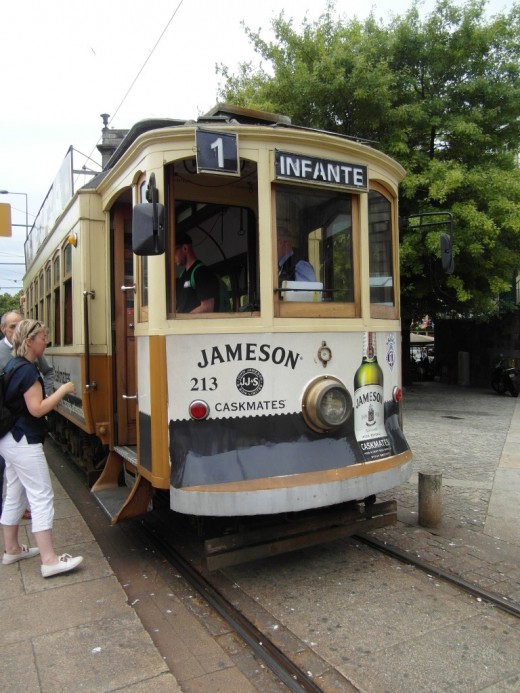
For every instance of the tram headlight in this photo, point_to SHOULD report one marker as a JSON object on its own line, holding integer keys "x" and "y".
{"x": 326, "y": 404}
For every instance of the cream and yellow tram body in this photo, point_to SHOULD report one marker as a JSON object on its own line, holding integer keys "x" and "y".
{"x": 287, "y": 398}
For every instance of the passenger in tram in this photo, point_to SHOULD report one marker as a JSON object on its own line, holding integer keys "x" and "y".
{"x": 290, "y": 267}
{"x": 197, "y": 288}
{"x": 26, "y": 470}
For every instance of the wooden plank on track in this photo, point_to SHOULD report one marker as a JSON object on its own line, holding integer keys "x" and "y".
{"x": 298, "y": 525}
{"x": 277, "y": 539}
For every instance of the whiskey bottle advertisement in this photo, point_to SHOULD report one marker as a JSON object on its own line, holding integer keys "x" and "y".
{"x": 369, "y": 406}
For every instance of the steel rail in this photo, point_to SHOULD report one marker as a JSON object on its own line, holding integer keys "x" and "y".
{"x": 286, "y": 670}
{"x": 508, "y": 605}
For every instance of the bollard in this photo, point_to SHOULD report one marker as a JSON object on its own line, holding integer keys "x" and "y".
{"x": 430, "y": 499}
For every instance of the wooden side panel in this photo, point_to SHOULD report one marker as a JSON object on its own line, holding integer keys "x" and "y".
{"x": 159, "y": 406}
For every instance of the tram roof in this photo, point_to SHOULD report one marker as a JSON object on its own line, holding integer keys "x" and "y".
{"x": 222, "y": 113}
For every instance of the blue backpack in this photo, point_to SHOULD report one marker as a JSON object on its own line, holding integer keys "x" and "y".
{"x": 9, "y": 413}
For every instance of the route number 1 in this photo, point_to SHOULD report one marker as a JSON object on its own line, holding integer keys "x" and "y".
{"x": 217, "y": 152}
{"x": 217, "y": 144}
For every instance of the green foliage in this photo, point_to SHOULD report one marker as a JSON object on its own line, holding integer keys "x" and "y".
{"x": 441, "y": 94}
{"x": 9, "y": 303}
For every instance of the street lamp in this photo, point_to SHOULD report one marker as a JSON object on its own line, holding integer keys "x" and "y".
{"x": 9, "y": 192}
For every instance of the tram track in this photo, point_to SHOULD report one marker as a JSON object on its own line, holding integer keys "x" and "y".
{"x": 507, "y": 605}
{"x": 293, "y": 676}
{"x": 287, "y": 671}
{"x": 220, "y": 592}
{"x": 262, "y": 647}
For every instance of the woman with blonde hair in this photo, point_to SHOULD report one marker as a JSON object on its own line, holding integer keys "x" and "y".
{"x": 22, "y": 449}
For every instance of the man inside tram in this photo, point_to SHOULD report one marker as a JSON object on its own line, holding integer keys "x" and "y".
{"x": 197, "y": 288}
{"x": 291, "y": 266}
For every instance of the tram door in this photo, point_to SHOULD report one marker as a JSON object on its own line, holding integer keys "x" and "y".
{"x": 124, "y": 345}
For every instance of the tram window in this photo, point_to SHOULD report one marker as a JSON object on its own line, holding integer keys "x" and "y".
{"x": 224, "y": 240}
{"x": 67, "y": 294}
{"x": 315, "y": 245}
{"x": 67, "y": 304}
{"x": 48, "y": 297}
{"x": 30, "y": 306}
{"x": 380, "y": 249}
{"x": 57, "y": 317}
{"x": 56, "y": 269}
{"x": 57, "y": 302}
{"x": 67, "y": 260}
{"x": 219, "y": 213}
{"x": 41, "y": 295}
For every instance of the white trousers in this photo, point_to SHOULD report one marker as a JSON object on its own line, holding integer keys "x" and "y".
{"x": 28, "y": 479}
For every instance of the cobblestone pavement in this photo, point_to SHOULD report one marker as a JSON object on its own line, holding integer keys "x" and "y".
{"x": 460, "y": 433}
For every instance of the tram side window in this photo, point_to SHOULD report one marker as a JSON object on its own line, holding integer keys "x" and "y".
{"x": 35, "y": 300}
{"x": 57, "y": 299}
{"x": 30, "y": 302}
{"x": 48, "y": 298}
{"x": 314, "y": 245}
{"x": 41, "y": 295}
{"x": 67, "y": 294}
{"x": 381, "y": 249}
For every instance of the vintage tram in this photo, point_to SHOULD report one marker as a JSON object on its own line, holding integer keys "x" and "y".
{"x": 286, "y": 395}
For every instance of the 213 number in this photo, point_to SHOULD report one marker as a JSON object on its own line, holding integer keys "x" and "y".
{"x": 203, "y": 384}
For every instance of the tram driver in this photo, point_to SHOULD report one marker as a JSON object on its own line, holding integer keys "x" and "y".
{"x": 290, "y": 267}
{"x": 197, "y": 288}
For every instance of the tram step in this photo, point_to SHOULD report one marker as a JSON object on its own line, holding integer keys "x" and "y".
{"x": 122, "y": 502}
{"x": 111, "y": 500}
{"x": 319, "y": 528}
{"x": 127, "y": 452}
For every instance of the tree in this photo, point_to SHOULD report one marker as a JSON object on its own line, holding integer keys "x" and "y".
{"x": 9, "y": 303}
{"x": 442, "y": 96}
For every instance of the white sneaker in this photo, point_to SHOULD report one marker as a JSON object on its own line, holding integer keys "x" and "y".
{"x": 9, "y": 558}
{"x": 64, "y": 564}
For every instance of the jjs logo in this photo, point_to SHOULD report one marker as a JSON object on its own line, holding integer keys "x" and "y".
{"x": 249, "y": 382}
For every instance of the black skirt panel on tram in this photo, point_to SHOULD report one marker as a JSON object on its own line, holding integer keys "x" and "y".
{"x": 219, "y": 451}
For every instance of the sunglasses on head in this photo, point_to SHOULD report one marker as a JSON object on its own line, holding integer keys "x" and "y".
{"x": 37, "y": 325}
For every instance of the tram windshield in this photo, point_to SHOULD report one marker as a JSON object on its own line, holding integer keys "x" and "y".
{"x": 315, "y": 245}
{"x": 316, "y": 252}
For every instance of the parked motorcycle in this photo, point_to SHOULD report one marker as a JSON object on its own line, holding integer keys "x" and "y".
{"x": 506, "y": 378}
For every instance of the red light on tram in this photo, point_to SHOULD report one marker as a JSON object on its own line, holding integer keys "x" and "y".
{"x": 199, "y": 410}
{"x": 397, "y": 394}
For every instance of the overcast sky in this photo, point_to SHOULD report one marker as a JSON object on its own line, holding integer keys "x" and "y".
{"x": 65, "y": 62}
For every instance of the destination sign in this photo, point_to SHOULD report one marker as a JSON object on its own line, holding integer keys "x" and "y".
{"x": 310, "y": 168}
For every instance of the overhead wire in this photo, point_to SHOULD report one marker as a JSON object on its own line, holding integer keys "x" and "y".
{"x": 151, "y": 53}
{"x": 147, "y": 59}
{"x": 140, "y": 71}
